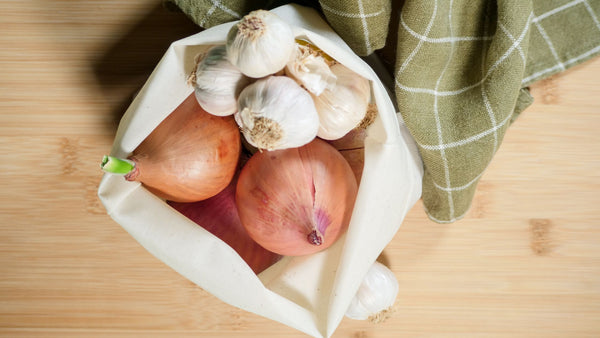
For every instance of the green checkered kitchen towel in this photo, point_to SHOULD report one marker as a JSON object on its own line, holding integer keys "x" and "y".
{"x": 462, "y": 68}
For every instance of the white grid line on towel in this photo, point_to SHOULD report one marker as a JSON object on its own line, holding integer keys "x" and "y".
{"x": 351, "y": 15}
{"x": 561, "y": 65}
{"x": 208, "y": 14}
{"x": 226, "y": 9}
{"x": 592, "y": 14}
{"x": 363, "y": 20}
{"x": 550, "y": 45}
{"x": 557, "y": 10}
{"x": 420, "y": 43}
{"x": 467, "y": 140}
{"x": 437, "y": 117}
{"x": 446, "y": 39}
{"x": 557, "y": 67}
{"x": 217, "y": 4}
{"x": 464, "y": 89}
{"x": 512, "y": 38}
{"x": 486, "y": 100}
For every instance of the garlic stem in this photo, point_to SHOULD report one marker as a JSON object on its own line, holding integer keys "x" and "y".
{"x": 115, "y": 165}
{"x": 316, "y": 51}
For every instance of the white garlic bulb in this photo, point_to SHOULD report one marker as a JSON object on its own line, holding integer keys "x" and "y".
{"x": 217, "y": 83}
{"x": 376, "y": 294}
{"x": 310, "y": 70}
{"x": 260, "y": 44}
{"x": 343, "y": 107}
{"x": 276, "y": 113}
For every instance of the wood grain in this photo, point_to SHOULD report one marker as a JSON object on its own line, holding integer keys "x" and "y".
{"x": 524, "y": 262}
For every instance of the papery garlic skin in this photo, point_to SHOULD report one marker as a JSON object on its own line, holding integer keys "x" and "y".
{"x": 311, "y": 71}
{"x": 217, "y": 83}
{"x": 343, "y": 107}
{"x": 260, "y": 44}
{"x": 276, "y": 113}
{"x": 376, "y": 294}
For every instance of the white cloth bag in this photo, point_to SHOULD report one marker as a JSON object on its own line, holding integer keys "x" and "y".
{"x": 309, "y": 293}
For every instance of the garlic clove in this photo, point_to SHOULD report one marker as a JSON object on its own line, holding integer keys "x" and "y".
{"x": 316, "y": 51}
{"x": 375, "y": 296}
{"x": 217, "y": 83}
{"x": 310, "y": 70}
{"x": 260, "y": 44}
{"x": 276, "y": 113}
{"x": 343, "y": 107}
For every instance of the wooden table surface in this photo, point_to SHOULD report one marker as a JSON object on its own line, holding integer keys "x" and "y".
{"x": 525, "y": 261}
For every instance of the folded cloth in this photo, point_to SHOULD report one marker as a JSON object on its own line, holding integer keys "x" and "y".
{"x": 462, "y": 68}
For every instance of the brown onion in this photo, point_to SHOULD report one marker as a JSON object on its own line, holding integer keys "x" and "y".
{"x": 352, "y": 147}
{"x": 190, "y": 156}
{"x": 356, "y": 160}
{"x": 296, "y": 201}
{"x": 354, "y": 139}
{"x": 219, "y": 216}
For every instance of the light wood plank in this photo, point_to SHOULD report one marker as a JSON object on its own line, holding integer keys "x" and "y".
{"x": 525, "y": 261}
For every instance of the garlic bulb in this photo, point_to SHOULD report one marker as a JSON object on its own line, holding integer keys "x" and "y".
{"x": 375, "y": 296}
{"x": 276, "y": 113}
{"x": 344, "y": 106}
{"x": 260, "y": 44}
{"x": 310, "y": 70}
{"x": 217, "y": 83}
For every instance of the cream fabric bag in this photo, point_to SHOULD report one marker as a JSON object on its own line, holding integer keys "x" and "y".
{"x": 309, "y": 293}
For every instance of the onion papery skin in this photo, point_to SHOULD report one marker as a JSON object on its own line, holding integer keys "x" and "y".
{"x": 219, "y": 216}
{"x": 352, "y": 147}
{"x": 354, "y": 139}
{"x": 291, "y": 199}
{"x": 190, "y": 156}
{"x": 356, "y": 160}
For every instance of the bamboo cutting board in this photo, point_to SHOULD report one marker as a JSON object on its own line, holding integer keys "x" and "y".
{"x": 525, "y": 261}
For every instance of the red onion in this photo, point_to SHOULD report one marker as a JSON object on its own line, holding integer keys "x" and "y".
{"x": 220, "y": 217}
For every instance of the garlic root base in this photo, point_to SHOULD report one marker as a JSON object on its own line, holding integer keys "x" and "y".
{"x": 382, "y": 315}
